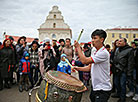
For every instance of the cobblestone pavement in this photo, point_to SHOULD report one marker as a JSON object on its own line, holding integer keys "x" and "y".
{"x": 13, "y": 95}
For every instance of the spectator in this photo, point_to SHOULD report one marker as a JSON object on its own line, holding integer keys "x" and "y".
{"x": 24, "y": 70}
{"x": 107, "y": 46}
{"x": 34, "y": 60}
{"x": 46, "y": 58}
{"x": 86, "y": 75}
{"x": 63, "y": 65}
{"x": 61, "y": 46}
{"x": 57, "y": 57}
{"x": 124, "y": 63}
{"x": 68, "y": 50}
{"x": 14, "y": 61}
{"x": 36, "y": 39}
{"x": 6, "y": 61}
{"x": 45, "y": 51}
{"x": 133, "y": 88}
{"x": 21, "y": 47}
{"x": 115, "y": 45}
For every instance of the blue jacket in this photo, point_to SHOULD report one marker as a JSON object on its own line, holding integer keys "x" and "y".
{"x": 24, "y": 65}
{"x": 64, "y": 67}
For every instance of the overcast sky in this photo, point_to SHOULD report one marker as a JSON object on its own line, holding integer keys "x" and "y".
{"x": 24, "y": 17}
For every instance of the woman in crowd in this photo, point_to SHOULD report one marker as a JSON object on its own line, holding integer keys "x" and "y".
{"x": 6, "y": 58}
{"x": 34, "y": 60}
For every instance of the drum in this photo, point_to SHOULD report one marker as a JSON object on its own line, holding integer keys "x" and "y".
{"x": 60, "y": 87}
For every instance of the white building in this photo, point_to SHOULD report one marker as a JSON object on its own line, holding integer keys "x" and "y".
{"x": 54, "y": 26}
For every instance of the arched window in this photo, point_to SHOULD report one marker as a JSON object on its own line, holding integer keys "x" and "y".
{"x": 120, "y": 36}
{"x": 54, "y": 25}
{"x": 53, "y": 35}
{"x": 54, "y": 16}
{"x": 134, "y": 35}
{"x": 126, "y": 35}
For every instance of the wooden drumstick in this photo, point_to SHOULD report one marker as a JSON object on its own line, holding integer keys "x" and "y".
{"x": 80, "y": 35}
{"x": 69, "y": 64}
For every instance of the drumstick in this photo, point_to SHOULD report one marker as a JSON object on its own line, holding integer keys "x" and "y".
{"x": 68, "y": 63}
{"x": 80, "y": 35}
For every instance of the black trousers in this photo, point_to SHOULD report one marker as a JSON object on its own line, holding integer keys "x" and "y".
{"x": 100, "y": 96}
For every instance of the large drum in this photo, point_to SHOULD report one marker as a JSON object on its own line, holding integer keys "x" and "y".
{"x": 60, "y": 87}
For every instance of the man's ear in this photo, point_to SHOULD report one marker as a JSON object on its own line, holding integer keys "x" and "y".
{"x": 102, "y": 40}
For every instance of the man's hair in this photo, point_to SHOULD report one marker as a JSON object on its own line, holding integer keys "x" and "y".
{"x": 107, "y": 46}
{"x": 99, "y": 32}
{"x": 68, "y": 39}
{"x": 61, "y": 40}
{"x": 36, "y": 39}
{"x": 125, "y": 40}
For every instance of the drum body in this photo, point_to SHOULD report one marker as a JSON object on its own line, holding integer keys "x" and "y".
{"x": 51, "y": 90}
{"x": 56, "y": 94}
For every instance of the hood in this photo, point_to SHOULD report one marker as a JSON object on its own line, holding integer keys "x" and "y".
{"x": 63, "y": 55}
{"x": 25, "y": 54}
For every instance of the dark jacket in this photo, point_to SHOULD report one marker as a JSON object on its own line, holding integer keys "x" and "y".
{"x": 6, "y": 61}
{"x": 136, "y": 64}
{"x": 124, "y": 59}
{"x": 20, "y": 50}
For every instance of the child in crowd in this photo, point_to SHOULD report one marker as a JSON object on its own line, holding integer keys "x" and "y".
{"x": 63, "y": 65}
{"x": 24, "y": 71}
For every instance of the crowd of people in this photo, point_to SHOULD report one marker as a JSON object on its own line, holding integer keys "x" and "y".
{"x": 94, "y": 61}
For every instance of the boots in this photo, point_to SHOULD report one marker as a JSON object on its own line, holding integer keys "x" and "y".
{"x": 20, "y": 88}
{"x": 7, "y": 84}
{"x": 26, "y": 87}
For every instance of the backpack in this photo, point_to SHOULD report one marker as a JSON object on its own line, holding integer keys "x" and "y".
{"x": 49, "y": 64}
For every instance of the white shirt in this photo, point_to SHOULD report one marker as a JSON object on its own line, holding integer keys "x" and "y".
{"x": 100, "y": 70}
{"x": 93, "y": 50}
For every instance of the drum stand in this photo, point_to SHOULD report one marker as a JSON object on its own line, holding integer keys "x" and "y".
{"x": 30, "y": 92}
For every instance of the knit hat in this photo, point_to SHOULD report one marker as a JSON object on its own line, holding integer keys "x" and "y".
{"x": 46, "y": 40}
{"x": 27, "y": 55}
{"x": 63, "y": 55}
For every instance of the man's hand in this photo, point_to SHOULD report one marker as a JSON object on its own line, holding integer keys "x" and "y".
{"x": 74, "y": 68}
{"x": 76, "y": 44}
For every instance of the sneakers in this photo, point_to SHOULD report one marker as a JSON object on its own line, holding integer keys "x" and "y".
{"x": 135, "y": 98}
{"x": 130, "y": 94}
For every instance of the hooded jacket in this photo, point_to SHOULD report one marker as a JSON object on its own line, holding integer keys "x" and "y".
{"x": 24, "y": 65}
{"x": 63, "y": 66}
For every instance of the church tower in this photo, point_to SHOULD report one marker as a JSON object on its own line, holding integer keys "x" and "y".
{"x": 54, "y": 26}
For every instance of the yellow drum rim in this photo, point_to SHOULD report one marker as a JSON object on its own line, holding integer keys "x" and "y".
{"x": 37, "y": 97}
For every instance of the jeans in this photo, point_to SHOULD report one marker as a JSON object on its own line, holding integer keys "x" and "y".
{"x": 120, "y": 83}
{"x": 33, "y": 77}
{"x": 131, "y": 84}
{"x": 100, "y": 96}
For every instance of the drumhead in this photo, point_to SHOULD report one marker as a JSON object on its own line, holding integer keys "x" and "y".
{"x": 65, "y": 81}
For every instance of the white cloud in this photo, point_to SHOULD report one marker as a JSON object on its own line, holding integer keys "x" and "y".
{"x": 23, "y": 17}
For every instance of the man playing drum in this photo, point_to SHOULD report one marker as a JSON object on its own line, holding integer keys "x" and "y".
{"x": 99, "y": 66}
